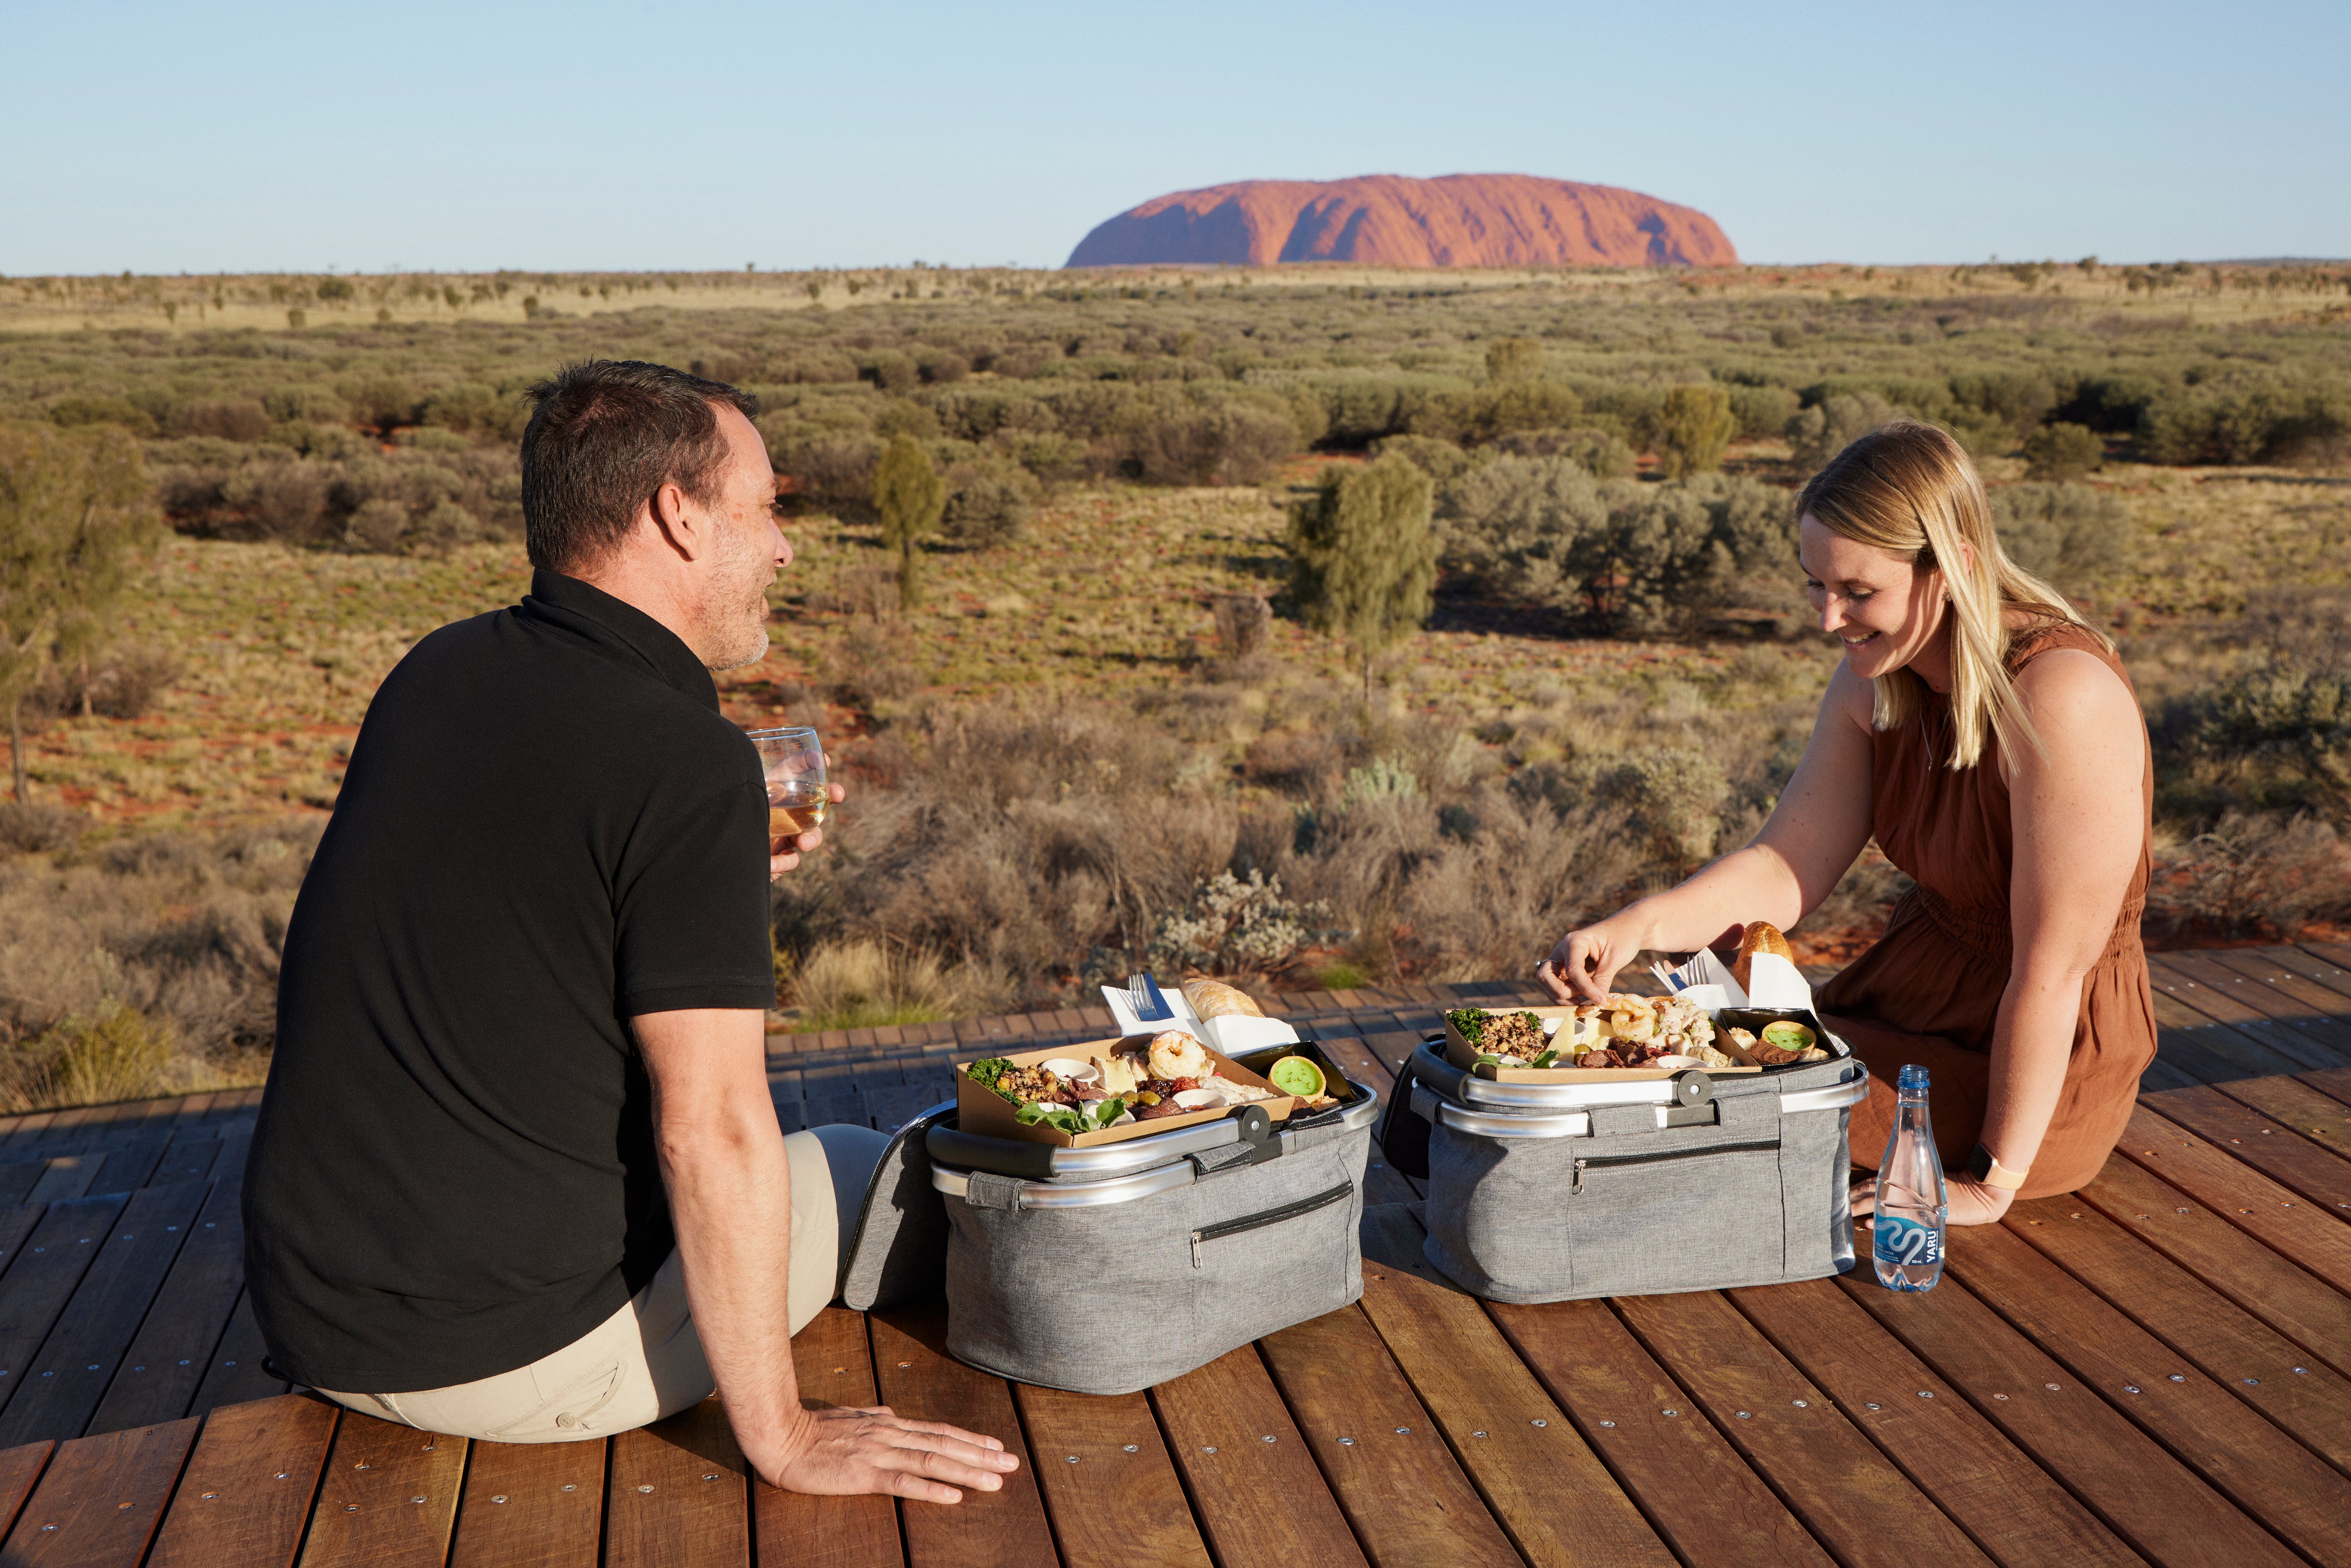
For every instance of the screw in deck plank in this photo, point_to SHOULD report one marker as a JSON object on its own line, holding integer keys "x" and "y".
{"x": 2161, "y": 1509}
{"x": 236, "y": 1371}
{"x": 100, "y": 1500}
{"x": 49, "y": 1266}
{"x": 2319, "y": 1173}
{"x": 2295, "y": 1105}
{"x": 167, "y": 1360}
{"x": 388, "y": 1497}
{"x": 246, "y": 1497}
{"x": 1113, "y": 1497}
{"x": 2297, "y": 1228}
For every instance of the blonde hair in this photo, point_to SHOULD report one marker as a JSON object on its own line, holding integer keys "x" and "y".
{"x": 1909, "y": 489}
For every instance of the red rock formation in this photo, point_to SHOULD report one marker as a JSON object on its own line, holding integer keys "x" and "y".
{"x": 1388, "y": 220}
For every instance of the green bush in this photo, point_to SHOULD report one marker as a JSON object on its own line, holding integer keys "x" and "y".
{"x": 1763, "y": 412}
{"x": 98, "y": 410}
{"x": 2066, "y": 534}
{"x": 1819, "y": 432}
{"x": 1216, "y": 443}
{"x": 1692, "y": 427}
{"x": 989, "y": 500}
{"x": 1513, "y": 360}
{"x": 2062, "y": 451}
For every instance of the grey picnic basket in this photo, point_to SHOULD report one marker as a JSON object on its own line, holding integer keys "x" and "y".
{"x": 1107, "y": 1270}
{"x": 1694, "y": 1182}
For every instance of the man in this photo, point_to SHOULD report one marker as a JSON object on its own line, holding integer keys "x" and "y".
{"x": 516, "y": 1175}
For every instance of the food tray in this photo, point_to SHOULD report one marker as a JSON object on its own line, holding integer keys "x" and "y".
{"x": 982, "y": 1111}
{"x": 1465, "y": 1056}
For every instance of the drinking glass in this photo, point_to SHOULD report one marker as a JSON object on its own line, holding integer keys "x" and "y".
{"x": 792, "y": 761}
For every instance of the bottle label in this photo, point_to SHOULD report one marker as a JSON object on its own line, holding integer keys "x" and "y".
{"x": 1904, "y": 1242}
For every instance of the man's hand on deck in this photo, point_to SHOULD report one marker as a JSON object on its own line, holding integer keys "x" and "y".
{"x": 779, "y": 864}
{"x": 833, "y": 1453}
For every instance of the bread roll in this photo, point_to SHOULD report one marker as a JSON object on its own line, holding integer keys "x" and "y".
{"x": 1761, "y": 936}
{"x": 1215, "y": 999}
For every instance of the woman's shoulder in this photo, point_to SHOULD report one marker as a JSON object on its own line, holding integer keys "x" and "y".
{"x": 2032, "y": 632}
{"x": 2078, "y": 698}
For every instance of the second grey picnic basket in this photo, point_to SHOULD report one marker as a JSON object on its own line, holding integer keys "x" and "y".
{"x": 1544, "y": 1194}
{"x": 1106, "y": 1269}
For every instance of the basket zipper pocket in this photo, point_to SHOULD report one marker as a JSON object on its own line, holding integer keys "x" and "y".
{"x": 1600, "y": 1160}
{"x": 1270, "y": 1217}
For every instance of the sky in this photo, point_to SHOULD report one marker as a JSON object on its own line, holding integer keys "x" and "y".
{"x": 624, "y": 134}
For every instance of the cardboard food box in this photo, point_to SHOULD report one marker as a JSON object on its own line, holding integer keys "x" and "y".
{"x": 1464, "y": 1055}
{"x": 981, "y": 1109}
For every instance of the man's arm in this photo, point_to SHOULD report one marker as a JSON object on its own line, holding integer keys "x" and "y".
{"x": 730, "y": 1198}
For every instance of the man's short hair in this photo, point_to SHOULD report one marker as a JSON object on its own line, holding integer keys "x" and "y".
{"x": 605, "y": 435}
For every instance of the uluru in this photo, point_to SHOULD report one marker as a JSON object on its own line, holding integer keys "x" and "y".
{"x": 1392, "y": 220}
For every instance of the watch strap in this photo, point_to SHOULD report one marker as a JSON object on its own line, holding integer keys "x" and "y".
{"x": 1992, "y": 1173}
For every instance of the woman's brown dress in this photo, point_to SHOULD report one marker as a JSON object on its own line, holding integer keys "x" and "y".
{"x": 1930, "y": 990}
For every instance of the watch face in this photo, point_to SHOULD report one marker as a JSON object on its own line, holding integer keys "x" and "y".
{"x": 1979, "y": 1163}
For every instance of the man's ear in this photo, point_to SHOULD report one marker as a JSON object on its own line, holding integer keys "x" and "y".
{"x": 678, "y": 521}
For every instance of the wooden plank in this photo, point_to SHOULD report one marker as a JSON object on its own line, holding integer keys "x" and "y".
{"x": 188, "y": 1157}
{"x": 2161, "y": 1509}
{"x": 1259, "y": 1504}
{"x": 1551, "y": 1493}
{"x": 234, "y": 1373}
{"x": 17, "y": 1180}
{"x": 2272, "y": 1289}
{"x": 132, "y": 1166}
{"x": 2176, "y": 1020}
{"x": 2291, "y": 1102}
{"x": 2335, "y": 1083}
{"x": 1651, "y": 1436}
{"x": 1790, "y": 1433}
{"x": 49, "y": 1265}
{"x": 2272, "y": 1477}
{"x": 921, "y": 1383}
{"x": 835, "y": 1364}
{"x": 98, "y": 1502}
{"x": 2291, "y": 997}
{"x": 2165, "y": 1073}
{"x": 2319, "y": 971}
{"x": 28, "y": 1131}
{"x": 2240, "y": 1353}
{"x": 15, "y": 1226}
{"x": 20, "y": 1469}
{"x": 2225, "y": 996}
{"x": 675, "y": 1498}
{"x": 159, "y": 1374}
{"x": 67, "y": 1176}
{"x": 2308, "y": 1168}
{"x": 388, "y": 1499}
{"x": 247, "y": 1491}
{"x": 1108, "y": 1484}
{"x": 1403, "y": 1492}
{"x": 1992, "y": 1489}
{"x": 2295, "y": 1227}
{"x": 531, "y": 1505}
{"x": 68, "y": 1376}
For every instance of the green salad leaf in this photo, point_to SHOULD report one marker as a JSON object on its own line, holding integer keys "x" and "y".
{"x": 1071, "y": 1119}
{"x": 1546, "y": 1058}
{"x": 1469, "y": 1023}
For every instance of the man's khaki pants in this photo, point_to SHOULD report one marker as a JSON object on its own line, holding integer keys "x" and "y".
{"x": 644, "y": 1362}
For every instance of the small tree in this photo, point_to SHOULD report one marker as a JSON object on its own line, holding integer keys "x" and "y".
{"x": 1513, "y": 360}
{"x": 1692, "y": 426}
{"x": 1363, "y": 555}
{"x": 74, "y": 512}
{"x": 910, "y": 496}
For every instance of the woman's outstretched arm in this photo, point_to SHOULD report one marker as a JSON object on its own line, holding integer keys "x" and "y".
{"x": 2078, "y": 820}
{"x": 1816, "y": 830}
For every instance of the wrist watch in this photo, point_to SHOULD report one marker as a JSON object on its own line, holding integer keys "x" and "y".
{"x": 1992, "y": 1173}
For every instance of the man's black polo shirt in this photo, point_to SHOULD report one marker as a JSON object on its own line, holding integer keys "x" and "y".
{"x": 546, "y": 829}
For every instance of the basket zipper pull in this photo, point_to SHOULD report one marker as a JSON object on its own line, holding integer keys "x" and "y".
{"x": 1195, "y": 1249}
{"x": 1577, "y": 1189}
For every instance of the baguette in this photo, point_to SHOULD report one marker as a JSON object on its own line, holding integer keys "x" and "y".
{"x": 1215, "y": 999}
{"x": 1761, "y": 936}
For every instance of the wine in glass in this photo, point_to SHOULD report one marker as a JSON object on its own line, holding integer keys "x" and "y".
{"x": 792, "y": 760}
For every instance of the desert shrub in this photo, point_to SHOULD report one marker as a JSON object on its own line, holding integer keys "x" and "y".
{"x": 1516, "y": 526}
{"x": 871, "y": 663}
{"x": 478, "y": 411}
{"x": 1819, "y": 432}
{"x": 1234, "y": 928}
{"x": 829, "y": 466}
{"x": 2290, "y": 725}
{"x": 867, "y": 984}
{"x": 282, "y": 500}
{"x": 1363, "y": 555}
{"x": 1441, "y": 460}
{"x": 1763, "y": 412}
{"x": 2250, "y": 873}
{"x": 891, "y": 369}
{"x": 2067, "y": 534}
{"x": 1295, "y": 762}
{"x": 122, "y": 683}
{"x": 1048, "y": 456}
{"x": 383, "y": 403}
{"x": 1674, "y": 795}
{"x": 1493, "y": 902}
{"x": 1243, "y": 621}
{"x": 102, "y": 410}
{"x": 903, "y": 416}
{"x": 1692, "y": 427}
{"x": 1513, "y": 360}
{"x": 1212, "y": 443}
{"x": 306, "y": 405}
{"x": 36, "y": 827}
{"x": 1602, "y": 453}
{"x": 942, "y": 367}
{"x": 237, "y": 419}
{"x": 989, "y": 500}
{"x": 2014, "y": 400}
{"x": 2059, "y": 452}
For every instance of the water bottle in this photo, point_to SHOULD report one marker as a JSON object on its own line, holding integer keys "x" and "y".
{"x": 1911, "y": 1202}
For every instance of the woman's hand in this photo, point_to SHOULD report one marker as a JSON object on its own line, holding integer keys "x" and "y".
{"x": 1580, "y": 969}
{"x": 1970, "y": 1202}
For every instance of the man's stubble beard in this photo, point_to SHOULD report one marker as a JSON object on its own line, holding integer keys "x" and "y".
{"x": 738, "y": 617}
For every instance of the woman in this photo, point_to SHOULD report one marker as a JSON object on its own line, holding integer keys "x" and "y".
{"x": 1992, "y": 744}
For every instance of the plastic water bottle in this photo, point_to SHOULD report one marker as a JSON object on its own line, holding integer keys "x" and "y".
{"x": 1912, "y": 1206}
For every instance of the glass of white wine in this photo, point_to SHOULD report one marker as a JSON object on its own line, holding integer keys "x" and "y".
{"x": 792, "y": 760}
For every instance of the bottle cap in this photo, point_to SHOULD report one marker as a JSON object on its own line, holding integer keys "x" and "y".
{"x": 1914, "y": 1079}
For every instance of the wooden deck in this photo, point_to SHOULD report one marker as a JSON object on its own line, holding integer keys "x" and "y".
{"x": 2157, "y": 1369}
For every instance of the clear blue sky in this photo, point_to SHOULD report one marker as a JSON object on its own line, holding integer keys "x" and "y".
{"x": 629, "y": 134}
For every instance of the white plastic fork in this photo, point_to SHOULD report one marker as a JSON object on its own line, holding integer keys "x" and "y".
{"x": 1138, "y": 996}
